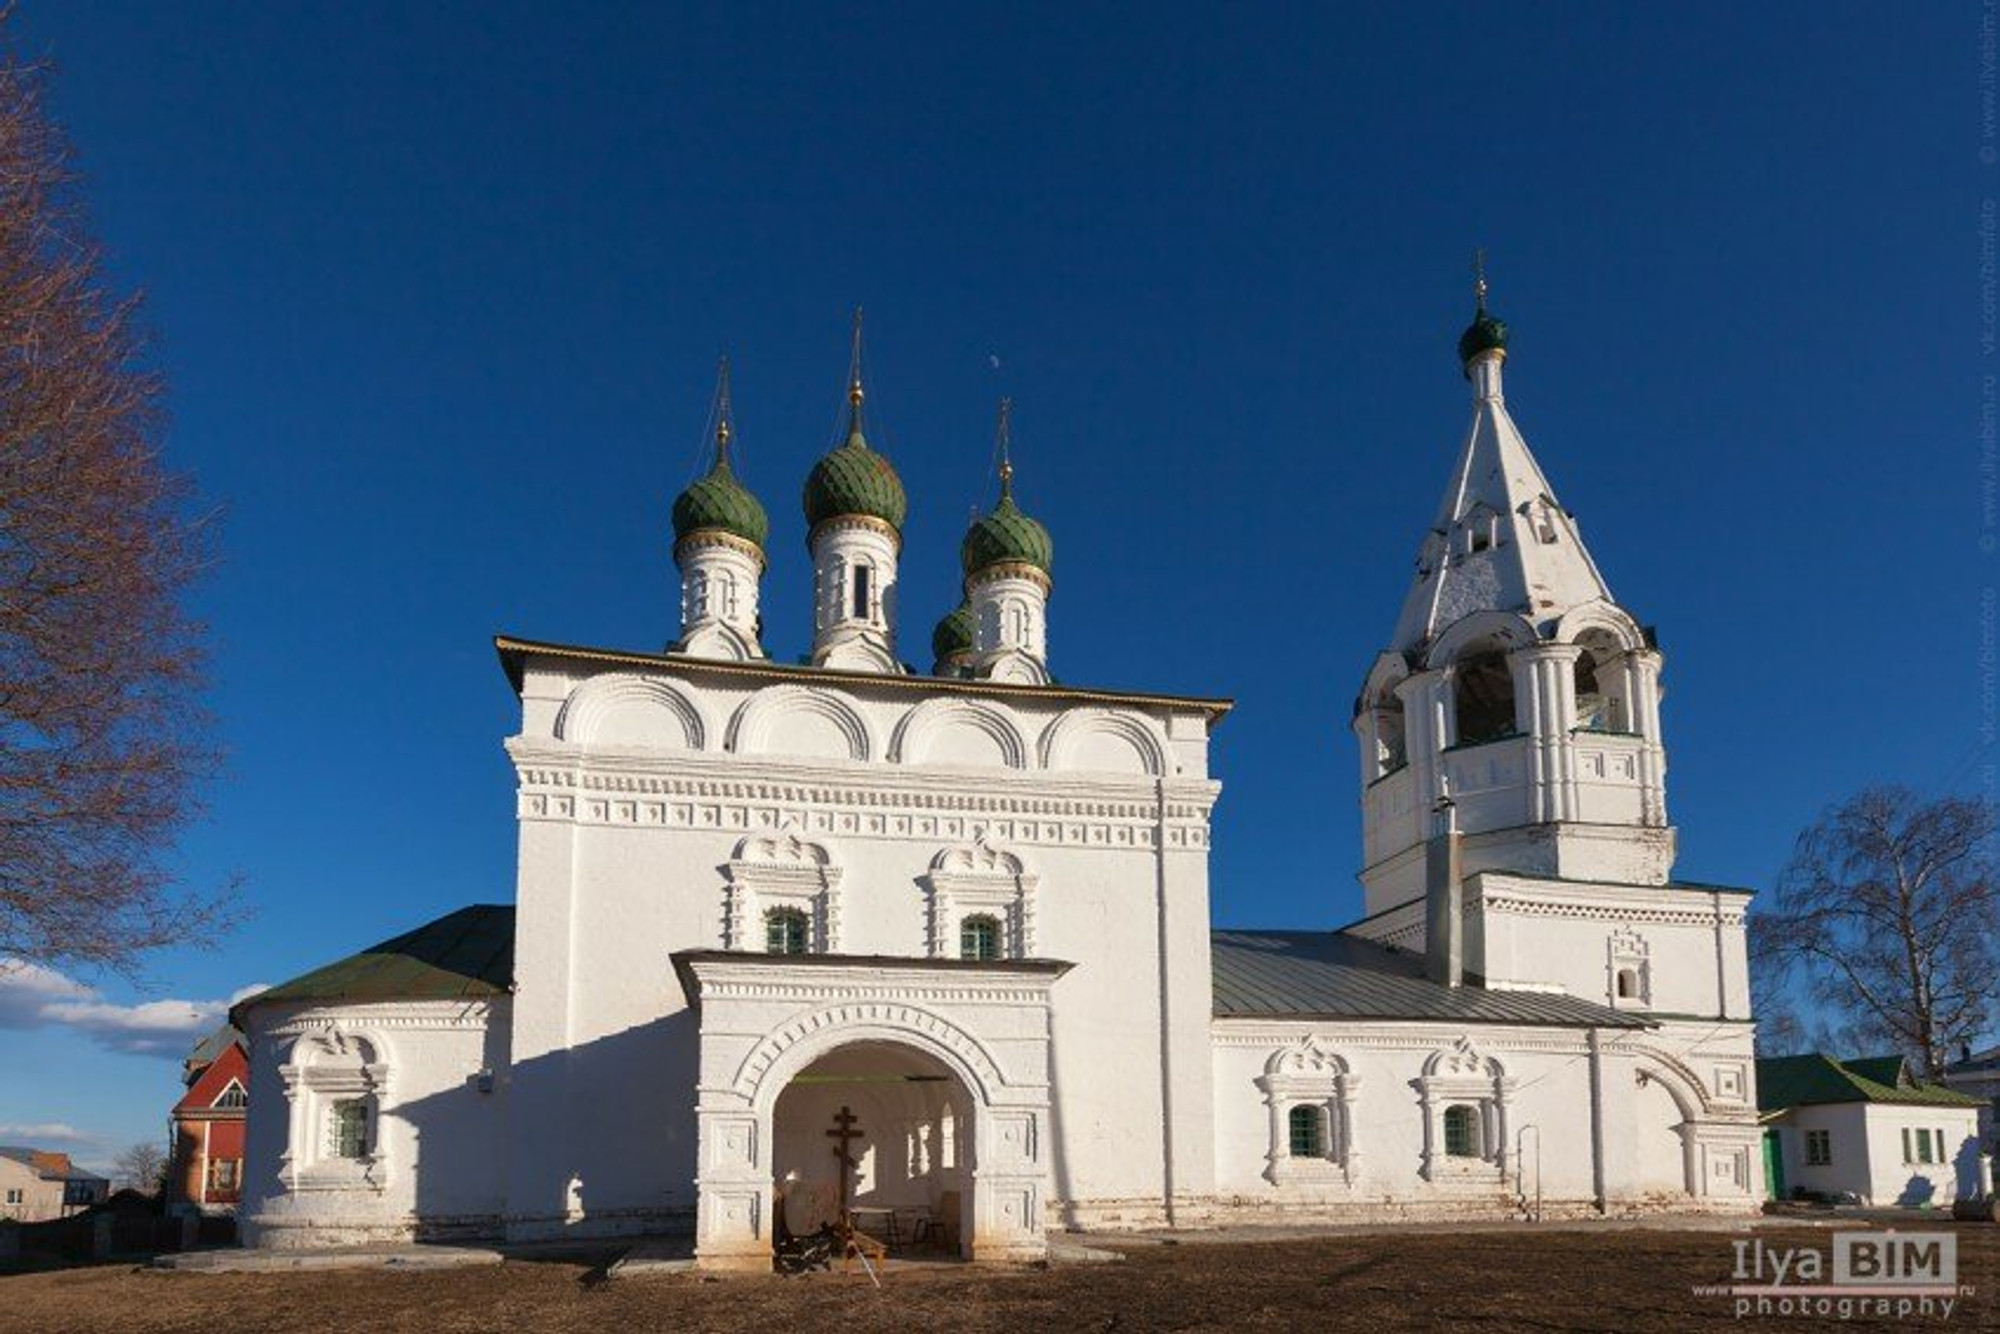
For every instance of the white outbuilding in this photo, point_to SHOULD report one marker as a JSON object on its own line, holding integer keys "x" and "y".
{"x": 1866, "y": 1132}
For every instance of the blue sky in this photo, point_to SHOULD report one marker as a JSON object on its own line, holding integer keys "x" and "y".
{"x": 440, "y": 288}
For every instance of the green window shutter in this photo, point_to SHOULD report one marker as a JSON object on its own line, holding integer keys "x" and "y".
{"x": 1303, "y": 1123}
{"x": 979, "y": 938}
{"x": 1909, "y": 1154}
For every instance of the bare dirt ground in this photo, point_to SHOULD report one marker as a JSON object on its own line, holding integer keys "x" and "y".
{"x": 1632, "y": 1281}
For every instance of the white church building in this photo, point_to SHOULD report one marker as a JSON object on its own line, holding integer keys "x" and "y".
{"x": 940, "y": 942}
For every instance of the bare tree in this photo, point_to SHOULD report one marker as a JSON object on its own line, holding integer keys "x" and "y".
{"x": 103, "y": 741}
{"x": 143, "y": 1168}
{"x": 1887, "y": 919}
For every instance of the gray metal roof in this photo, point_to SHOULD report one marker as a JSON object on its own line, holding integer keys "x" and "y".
{"x": 1329, "y": 975}
{"x": 1976, "y": 1063}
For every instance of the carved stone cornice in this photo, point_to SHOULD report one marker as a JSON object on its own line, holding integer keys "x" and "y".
{"x": 545, "y": 762}
{"x": 1577, "y": 909}
{"x": 1266, "y": 1035}
{"x": 1010, "y": 569}
{"x": 562, "y": 783}
{"x": 359, "y": 1017}
{"x": 702, "y": 538}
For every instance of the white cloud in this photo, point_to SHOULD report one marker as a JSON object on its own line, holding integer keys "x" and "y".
{"x": 26, "y": 989}
{"x": 38, "y": 1133}
{"x": 32, "y": 996}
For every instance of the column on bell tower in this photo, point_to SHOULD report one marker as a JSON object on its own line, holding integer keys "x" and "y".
{"x": 1545, "y": 706}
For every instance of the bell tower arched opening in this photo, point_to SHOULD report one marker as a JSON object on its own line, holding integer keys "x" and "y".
{"x": 1482, "y": 695}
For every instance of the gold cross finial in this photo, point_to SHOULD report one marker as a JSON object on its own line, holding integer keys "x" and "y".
{"x": 854, "y": 368}
{"x": 722, "y": 424}
{"x": 1001, "y": 444}
{"x": 1479, "y": 278}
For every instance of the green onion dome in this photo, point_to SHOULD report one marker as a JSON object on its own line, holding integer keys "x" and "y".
{"x": 720, "y": 503}
{"x": 1486, "y": 333}
{"x": 1006, "y": 536}
{"x": 854, "y": 480}
{"x": 954, "y": 636}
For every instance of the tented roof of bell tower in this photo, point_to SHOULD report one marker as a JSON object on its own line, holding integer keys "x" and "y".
{"x": 1501, "y": 540}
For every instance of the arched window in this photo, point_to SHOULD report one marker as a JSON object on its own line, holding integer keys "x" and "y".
{"x": 1017, "y": 624}
{"x": 861, "y": 573}
{"x": 1483, "y": 693}
{"x": 1600, "y": 706}
{"x": 697, "y": 607}
{"x": 1628, "y": 984}
{"x": 1391, "y": 750}
{"x": 786, "y": 931}
{"x": 979, "y": 938}
{"x": 1306, "y": 1130}
{"x": 1461, "y": 1131}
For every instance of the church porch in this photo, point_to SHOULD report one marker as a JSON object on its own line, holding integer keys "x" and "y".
{"x": 890, "y": 1091}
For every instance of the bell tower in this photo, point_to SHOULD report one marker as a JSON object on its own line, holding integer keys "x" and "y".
{"x": 1518, "y": 702}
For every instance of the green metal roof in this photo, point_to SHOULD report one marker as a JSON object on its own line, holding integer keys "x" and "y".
{"x": 1006, "y": 536}
{"x": 718, "y": 502}
{"x": 854, "y": 480}
{"x": 1815, "y": 1079}
{"x": 1486, "y": 333}
{"x": 955, "y": 634}
{"x": 1890, "y": 1070}
{"x": 463, "y": 955}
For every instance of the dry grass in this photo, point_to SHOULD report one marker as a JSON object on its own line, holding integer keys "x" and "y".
{"x": 1515, "y": 1280}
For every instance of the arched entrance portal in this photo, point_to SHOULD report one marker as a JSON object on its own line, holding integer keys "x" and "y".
{"x": 943, "y": 1067}
{"x": 885, "y": 1131}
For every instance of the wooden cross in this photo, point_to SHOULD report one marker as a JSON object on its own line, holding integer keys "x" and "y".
{"x": 845, "y": 1130}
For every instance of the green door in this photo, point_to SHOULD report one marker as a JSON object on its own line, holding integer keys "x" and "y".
{"x": 1774, "y": 1166}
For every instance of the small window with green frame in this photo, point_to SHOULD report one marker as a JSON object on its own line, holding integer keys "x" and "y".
{"x": 979, "y": 938}
{"x": 787, "y": 931}
{"x": 347, "y": 1125}
{"x": 1461, "y": 1131}
{"x": 1306, "y": 1130}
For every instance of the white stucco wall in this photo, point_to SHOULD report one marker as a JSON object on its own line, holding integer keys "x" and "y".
{"x": 1866, "y": 1147}
{"x": 629, "y": 853}
{"x": 1634, "y": 1153}
{"x": 1892, "y": 1179}
{"x": 436, "y": 1139}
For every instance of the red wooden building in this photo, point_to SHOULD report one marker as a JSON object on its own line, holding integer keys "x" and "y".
{"x": 207, "y": 1167}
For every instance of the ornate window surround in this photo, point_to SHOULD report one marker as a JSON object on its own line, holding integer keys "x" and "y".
{"x": 1462, "y": 1074}
{"x": 980, "y": 879}
{"x": 1308, "y": 1074}
{"x": 325, "y": 1069}
{"x": 779, "y": 869}
{"x": 1627, "y": 950}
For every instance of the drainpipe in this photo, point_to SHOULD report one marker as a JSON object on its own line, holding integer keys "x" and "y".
{"x": 1597, "y": 1118}
{"x": 1444, "y": 900}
